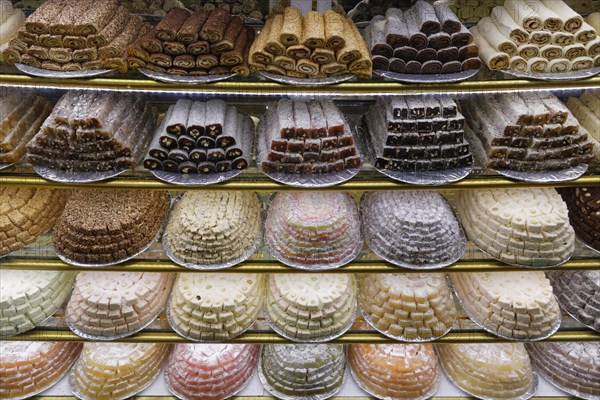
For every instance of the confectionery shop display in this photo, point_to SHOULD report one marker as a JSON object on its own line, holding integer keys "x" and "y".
{"x": 417, "y": 139}
{"x": 425, "y": 39}
{"x": 213, "y": 230}
{"x": 412, "y": 229}
{"x": 90, "y": 136}
{"x": 313, "y": 230}
{"x": 102, "y": 227}
{"x": 195, "y": 43}
{"x": 571, "y": 366}
{"x": 69, "y": 36}
{"x": 311, "y": 307}
{"x": 395, "y": 371}
{"x": 537, "y": 36}
{"x": 110, "y": 305}
{"x": 408, "y": 307}
{"x": 515, "y": 306}
{"x": 578, "y": 293}
{"x": 201, "y": 143}
{"x": 40, "y": 365}
{"x": 215, "y": 307}
{"x": 489, "y": 371}
{"x": 190, "y": 370}
{"x": 314, "y": 45}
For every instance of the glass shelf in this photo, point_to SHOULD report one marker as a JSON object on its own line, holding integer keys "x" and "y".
{"x": 253, "y": 179}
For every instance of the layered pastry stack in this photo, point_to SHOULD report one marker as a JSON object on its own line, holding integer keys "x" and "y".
{"x": 109, "y": 305}
{"x": 30, "y": 297}
{"x": 201, "y": 137}
{"x": 210, "y": 371}
{"x": 395, "y": 371}
{"x": 501, "y": 370}
{"x": 311, "y": 307}
{"x": 413, "y": 307}
{"x": 151, "y": 7}
{"x": 416, "y": 229}
{"x": 303, "y": 371}
{"x": 528, "y": 132}
{"x": 26, "y": 213}
{"x": 306, "y": 138}
{"x": 101, "y": 226}
{"x": 211, "y": 307}
{"x": 425, "y": 39}
{"x": 117, "y": 370}
{"x": 213, "y": 229}
{"x": 584, "y": 213}
{"x": 198, "y": 43}
{"x": 367, "y": 9}
{"x": 417, "y": 133}
{"x": 519, "y": 305}
{"x": 11, "y": 20}
{"x": 537, "y": 36}
{"x": 313, "y": 230}
{"x": 93, "y": 132}
{"x": 22, "y": 113}
{"x": 585, "y": 109}
{"x": 76, "y": 35}
{"x": 245, "y": 8}
{"x": 572, "y": 366}
{"x": 527, "y": 227}
{"x": 28, "y": 368}
{"x": 578, "y": 293}
{"x": 316, "y": 45}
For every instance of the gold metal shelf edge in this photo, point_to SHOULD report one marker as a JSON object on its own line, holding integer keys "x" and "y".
{"x": 275, "y": 267}
{"x": 273, "y": 338}
{"x": 272, "y": 88}
{"x": 265, "y": 185}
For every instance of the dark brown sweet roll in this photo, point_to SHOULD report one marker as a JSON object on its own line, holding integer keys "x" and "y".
{"x": 150, "y": 42}
{"x": 232, "y": 32}
{"x": 412, "y": 67}
{"x": 396, "y": 30}
{"x": 462, "y": 38}
{"x": 151, "y": 163}
{"x": 236, "y": 55}
{"x": 425, "y": 17}
{"x": 168, "y": 27}
{"x": 110, "y": 31}
{"x": 417, "y": 39}
{"x": 199, "y": 47}
{"x": 439, "y": 41}
{"x": 451, "y": 67}
{"x": 174, "y": 48}
{"x": 406, "y": 53}
{"x": 207, "y": 61}
{"x": 448, "y": 54}
{"x": 214, "y": 28}
{"x": 468, "y": 51}
{"x": 431, "y": 67}
{"x": 426, "y": 54}
{"x": 161, "y": 60}
{"x": 471, "y": 63}
{"x": 381, "y": 62}
{"x": 185, "y": 61}
{"x": 189, "y": 31}
{"x": 243, "y": 68}
{"x": 450, "y": 22}
{"x": 397, "y": 65}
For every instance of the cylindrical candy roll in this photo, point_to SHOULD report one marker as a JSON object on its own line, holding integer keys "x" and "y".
{"x": 495, "y": 60}
{"x": 559, "y": 65}
{"x": 507, "y": 25}
{"x": 572, "y": 20}
{"x": 524, "y": 15}
{"x": 495, "y": 38}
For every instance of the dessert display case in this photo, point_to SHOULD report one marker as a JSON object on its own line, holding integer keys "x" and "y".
{"x": 250, "y": 95}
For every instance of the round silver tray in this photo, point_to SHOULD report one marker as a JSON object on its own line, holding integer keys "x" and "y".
{"x": 364, "y": 387}
{"x": 427, "y": 78}
{"x": 81, "y": 396}
{"x": 178, "y": 331}
{"x": 583, "y": 242}
{"x": 213, "y": 267}
{"x": 483, "y": 326}
{"x": 424, "y": 178}
{"x": 45, "y": 73}
{"x": 527, "y": 395}
{"x": 460, "y": 250}
{"x": 565, "y": 389}
{"x": 86, "y": 265}
{"x": 570, "y": 314}
{"x": 564, "y": 175}
{"x": 555, "y": 76}
{"x": 283, "y": 396}
{"x": 231, "y": 394}
{"x": 168, "y": 78}
{"x": 6, "y": 165}
{"x": 195, "y": 179}
{"x": 288, "y": 80}
{"x": 48, "y": 386}
{"x": 74, "y": 177}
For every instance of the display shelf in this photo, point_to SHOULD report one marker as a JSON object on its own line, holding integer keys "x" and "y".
{"x": 253, "y": 179}
{"x": 485, "y": 82}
